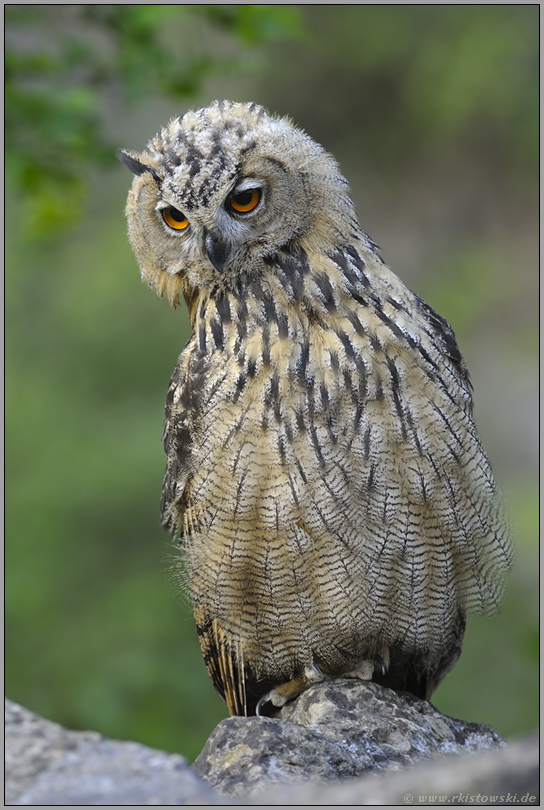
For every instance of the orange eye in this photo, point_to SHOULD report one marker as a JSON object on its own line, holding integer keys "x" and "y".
{"x": 246, "y": 200}
{"x": 175, "y": 219}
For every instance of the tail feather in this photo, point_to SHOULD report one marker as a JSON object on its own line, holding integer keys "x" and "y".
{"x": 225, "y": 663}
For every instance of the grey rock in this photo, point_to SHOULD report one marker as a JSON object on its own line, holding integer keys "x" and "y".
{"x": 507, "y": 776}
{"x": 310, "y": 754}
{"x": 335, "y": 730}
{"x": 48, "y": 765}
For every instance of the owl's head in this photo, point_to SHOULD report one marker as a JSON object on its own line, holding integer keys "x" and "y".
{"x": 218, "y": 192}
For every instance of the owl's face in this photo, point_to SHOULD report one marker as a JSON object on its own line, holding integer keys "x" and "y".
{"x": 222, "y": 189}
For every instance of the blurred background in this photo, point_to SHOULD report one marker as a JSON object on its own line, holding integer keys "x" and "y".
{"x": 432, "y": 112}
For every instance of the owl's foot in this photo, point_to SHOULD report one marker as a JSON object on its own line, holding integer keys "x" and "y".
{"x": 282, "y": 694}
{"x": 365, "y": 668}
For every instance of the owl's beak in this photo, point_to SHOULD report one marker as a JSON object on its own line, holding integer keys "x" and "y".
{"x": 217, "y": 251}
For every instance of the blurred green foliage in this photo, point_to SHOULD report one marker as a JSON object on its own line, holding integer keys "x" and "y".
{"x": 56, "y": 86}
{"x": 415, "y": 79}
{"x": 411, "y": 99}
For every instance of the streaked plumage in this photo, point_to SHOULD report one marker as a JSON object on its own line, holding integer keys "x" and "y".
{"x": 324, "y": 474}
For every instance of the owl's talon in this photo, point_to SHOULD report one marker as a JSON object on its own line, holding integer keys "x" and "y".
{"x": 275, "y": 698}
{"x": 313, "y": 674}
{"x": 260, "y": 704}
{"x": 379, "y": 665}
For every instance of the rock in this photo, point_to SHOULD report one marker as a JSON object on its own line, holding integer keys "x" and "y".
{"x": 507, "y": 775}
{"x": 352, "y": 728}
{"x": 48, "y": 765}
{"x": 333, "y": 731}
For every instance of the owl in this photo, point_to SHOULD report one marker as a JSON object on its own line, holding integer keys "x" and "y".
{"x": 324, "y": 476}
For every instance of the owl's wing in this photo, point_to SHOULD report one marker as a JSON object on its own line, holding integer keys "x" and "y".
{"x": 181, "y": 421}
{"x": 185, "y": 411}
{"x": 445, "y": 341}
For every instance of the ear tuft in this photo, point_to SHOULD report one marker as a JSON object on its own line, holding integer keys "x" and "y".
{"x": 134, "y": 165}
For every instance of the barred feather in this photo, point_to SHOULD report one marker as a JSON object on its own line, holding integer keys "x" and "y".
{"x": 324, "y": 473}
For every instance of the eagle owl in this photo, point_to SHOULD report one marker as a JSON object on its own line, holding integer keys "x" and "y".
{"x": 324, "y": 477}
